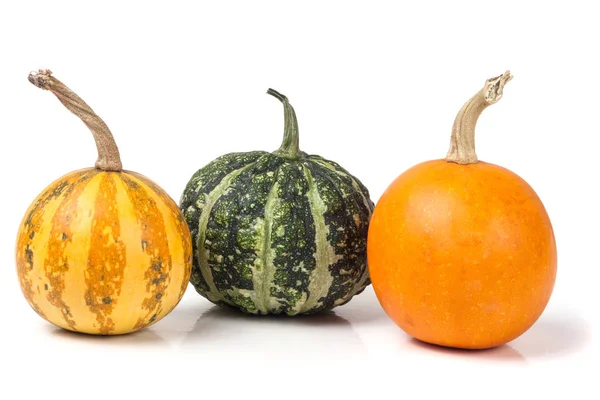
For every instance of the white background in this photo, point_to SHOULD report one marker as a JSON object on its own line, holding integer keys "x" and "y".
{"x": 376, "y": 86}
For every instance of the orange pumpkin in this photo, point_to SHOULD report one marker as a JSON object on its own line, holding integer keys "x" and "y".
{"x": 102, "y": 250}
{"x": 462, "y": 253}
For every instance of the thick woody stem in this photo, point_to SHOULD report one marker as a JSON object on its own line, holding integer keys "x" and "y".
{"x": 462, "y": 142}
{"x": 108, "y": 153}
{"x": 290, "y": 147}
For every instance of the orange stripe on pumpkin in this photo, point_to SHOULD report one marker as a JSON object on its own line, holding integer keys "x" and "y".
{"x": 154, "y": 243}
{"x": 106, "y": 258}
{"x": 178, "y": 234}
{"x": 77, "y": 252}
{"x": 127, "y": 310}
{"x": 56, "y": 262}
{"x": 32, "y": 237}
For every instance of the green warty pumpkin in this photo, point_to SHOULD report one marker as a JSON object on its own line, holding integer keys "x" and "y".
{"x": 281, "y": 232}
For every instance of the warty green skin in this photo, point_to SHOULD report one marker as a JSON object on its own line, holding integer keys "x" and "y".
{"x": 275, "y": 235}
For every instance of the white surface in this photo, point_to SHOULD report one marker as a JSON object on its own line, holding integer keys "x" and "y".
{"x": 376, "y": 87}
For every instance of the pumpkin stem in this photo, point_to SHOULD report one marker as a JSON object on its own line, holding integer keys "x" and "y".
{"x": 290, "y": 147}
{"x": 462, "y": 142}
{"x": 108, "y": 153}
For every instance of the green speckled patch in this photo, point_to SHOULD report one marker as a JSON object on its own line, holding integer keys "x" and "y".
{"x": 347, "y": 217}
{"x": 293, "y": 243}
{"x": 235, "y": 228}
{"x": 193, "y": 200}
{"x": 349, "y": 180}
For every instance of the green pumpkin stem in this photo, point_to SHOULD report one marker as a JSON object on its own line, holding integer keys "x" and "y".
{"x": 108, "y": 152}
{"x": 290, "y": 147}
{"x": 462, "y": 142}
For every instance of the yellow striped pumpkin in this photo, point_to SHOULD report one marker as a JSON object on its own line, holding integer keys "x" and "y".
{"x": 102, "y": 250}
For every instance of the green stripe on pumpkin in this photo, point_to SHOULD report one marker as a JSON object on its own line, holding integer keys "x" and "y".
{"x": 348, "y": 224}
{"x": 203, "y": 271}
{"x": 235, "y": 232}
{"x": 320, "y": 278}
{"x": 293, "y": 240}
{"x": 345, "y": 175}
{"x": 264, "y": 272}
{"x": 193, "y": 200}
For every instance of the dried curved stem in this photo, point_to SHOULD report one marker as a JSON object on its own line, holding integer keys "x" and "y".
{"x": 290, "y": 147}
{"x": 108, "y": 153}
{"x": 462, "y": 142}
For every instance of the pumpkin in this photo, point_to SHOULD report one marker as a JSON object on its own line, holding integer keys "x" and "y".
{"x": 462, "y": 252}
{"x": 281, "y": 232}
{"x": 101, "y": 250}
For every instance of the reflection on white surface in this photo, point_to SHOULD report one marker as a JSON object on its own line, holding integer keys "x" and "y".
{"x": 205, "y": 327}
{"x": 272, "y": 335}
{"x": 557, "y": 333}
{"x": 146, "y": 337}
{"x": 357, "y": 329}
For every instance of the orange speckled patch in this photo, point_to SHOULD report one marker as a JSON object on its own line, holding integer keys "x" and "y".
{"x": 181, "y": 223}
{"x": 106, "y": 260}
{"x": 31, "y": 224}
{"x": 154, "y": 243}
{"x": 56, "y": 262}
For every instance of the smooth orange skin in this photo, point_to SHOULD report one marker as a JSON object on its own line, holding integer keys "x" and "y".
{"x": 462, "y": 255}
